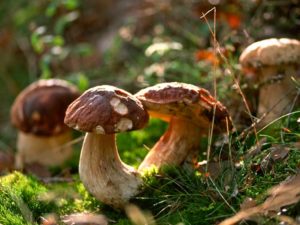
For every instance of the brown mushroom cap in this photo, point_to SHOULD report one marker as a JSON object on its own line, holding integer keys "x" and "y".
{"x": 271, "y": 52}
{"x": 40, "y": 108}
{"x": 166, "y": 100}
{"x": 106, "y": 110}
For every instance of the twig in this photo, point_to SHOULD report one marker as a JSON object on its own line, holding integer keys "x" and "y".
{"x": 215, "y": 80}
{"x": 217, "y": 48}
{"x": 68, "y": 144}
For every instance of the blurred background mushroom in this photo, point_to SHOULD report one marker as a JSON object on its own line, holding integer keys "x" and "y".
{"x": 191, "y": 112}
{"x": 103, "y": 111}
{"x": 273, "y": 63}
{"x": 38, "y": 114}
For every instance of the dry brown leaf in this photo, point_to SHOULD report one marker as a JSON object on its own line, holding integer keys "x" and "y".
{"x": 248, "y": 203}
{"x": 85, "y": 219}
{"x": 286, "y": 193}
{"x": 277, "y": 153}
{"x": 256, "y": 149}
{"x": 213, "y": 169}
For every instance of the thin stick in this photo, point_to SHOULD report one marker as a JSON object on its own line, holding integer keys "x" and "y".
{"x": 214, "y": 82}
{"x": 70, "y": 143}
{"x": 217, "y": 47}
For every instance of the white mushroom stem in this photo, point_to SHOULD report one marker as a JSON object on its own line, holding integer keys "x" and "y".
{"x": 48, "y": 151}
{"x": 179, "y": 143}
{"x": 103, "y": 173}
{"x": 276, "y": 98}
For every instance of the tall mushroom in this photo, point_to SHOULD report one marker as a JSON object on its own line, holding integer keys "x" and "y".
{"x": 189, "y": 111}
{"x": 274, "y": 62}
{"x": 38, "y": 113}
{"x": 102, "y": 112}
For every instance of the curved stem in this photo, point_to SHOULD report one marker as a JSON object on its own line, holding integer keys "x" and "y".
{"x": 104, "y": 174}
{"x": 181, "y": 139}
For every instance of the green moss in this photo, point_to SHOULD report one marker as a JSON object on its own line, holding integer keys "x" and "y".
{"x": 133, "y": 146}
{"x": 19, "y": 199}
{"x": 172, "y": 195}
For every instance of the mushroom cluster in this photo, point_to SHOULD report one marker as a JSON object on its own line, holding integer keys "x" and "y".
{"x": 103, "y": 111}
{"x": 190, "y": 111}
{"x": 274, "y": 62}
{"x": 38, "y": 113}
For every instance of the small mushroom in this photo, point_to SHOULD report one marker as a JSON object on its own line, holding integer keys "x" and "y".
{"x": 274, "y": 62}
{"x": 190, "y": 112}
{"x": 38, "y": 113}
{"x": 103, "y": 111}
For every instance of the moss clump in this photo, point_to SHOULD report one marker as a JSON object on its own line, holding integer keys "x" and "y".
{"x": 19, "y": 199}
{"x": 177, "y": 196}
{"x": 24, "y": 200}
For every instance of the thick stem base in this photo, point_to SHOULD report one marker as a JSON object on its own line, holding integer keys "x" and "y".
{"x": 182, "y": 139}
{"x": 103, "y": 173}
{"x": 48, "y": 151}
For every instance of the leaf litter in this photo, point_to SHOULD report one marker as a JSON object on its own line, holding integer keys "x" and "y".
{"x": 284, "y": 194}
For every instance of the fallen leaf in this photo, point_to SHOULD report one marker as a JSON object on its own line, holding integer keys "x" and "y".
{"x": 284, "y": 194}
{"x": 212, "y": 169}
{"x": 85, "y": 219}
{"x": 256, "y": 149}
{"x": 248, "y": 203}
{"x": 208, "y": 56}
{"x": 279, "y": 152}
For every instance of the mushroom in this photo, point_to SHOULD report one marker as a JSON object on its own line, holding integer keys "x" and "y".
{"x": 189, "y": 111}
{"x": 38, "y": 113}
{"x": 103, "y": 111}
{"x": 274, "y": 62}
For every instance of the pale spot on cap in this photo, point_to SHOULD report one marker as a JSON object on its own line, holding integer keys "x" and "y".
{"x": 124, "y": 124}
{"x": 114, "y": 102}
{"x": 118, "y": 106}
{"x": 99, "y": 130}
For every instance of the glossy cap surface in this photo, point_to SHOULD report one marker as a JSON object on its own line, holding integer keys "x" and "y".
{"x": 106, "y": 110}
{"x": 40, "y": 108}
{"x": 271, "y": 52}
{"x": 188, "y": 101}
